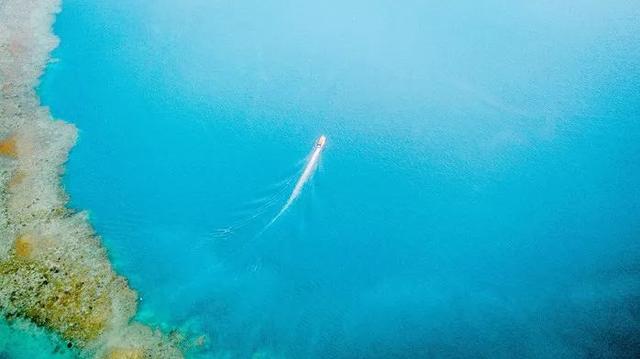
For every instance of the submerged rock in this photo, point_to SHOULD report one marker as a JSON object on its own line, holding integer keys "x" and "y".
{"x": 23, "y": 246}
{"x": 8, "y": 147}
{"x": 120, "y": 353}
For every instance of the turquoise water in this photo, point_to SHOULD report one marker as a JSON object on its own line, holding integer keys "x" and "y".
{"x": 478, "y": 195}
{"x": 19, "y": 339}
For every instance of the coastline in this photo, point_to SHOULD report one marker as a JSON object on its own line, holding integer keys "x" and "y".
{"x": 53, "y": 270}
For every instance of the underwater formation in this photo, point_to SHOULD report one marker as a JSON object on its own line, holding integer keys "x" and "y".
{"x": 54, "y": 273}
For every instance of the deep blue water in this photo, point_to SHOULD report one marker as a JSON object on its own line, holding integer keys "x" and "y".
{"x": 478, "y": 195}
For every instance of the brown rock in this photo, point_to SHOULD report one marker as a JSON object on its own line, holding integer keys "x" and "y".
{"x": 24, "y": 245}
{"x": 8, "y": 147}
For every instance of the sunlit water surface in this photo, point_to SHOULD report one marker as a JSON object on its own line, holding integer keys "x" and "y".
{"x": 478, "y": 194}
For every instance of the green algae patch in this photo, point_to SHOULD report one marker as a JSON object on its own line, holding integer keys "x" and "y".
{"x": 124, "y": 353}
{"x": 71, "y": 304}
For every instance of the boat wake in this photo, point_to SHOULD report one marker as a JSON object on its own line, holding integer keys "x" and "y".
{"x": 266, "y": 205}
{"x": 309, "y": 169}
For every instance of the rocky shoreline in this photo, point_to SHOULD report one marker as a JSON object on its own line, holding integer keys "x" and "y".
{"x": 53, "y": 270}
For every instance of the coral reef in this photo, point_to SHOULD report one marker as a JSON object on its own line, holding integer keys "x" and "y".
{"x": 53, "y": 271}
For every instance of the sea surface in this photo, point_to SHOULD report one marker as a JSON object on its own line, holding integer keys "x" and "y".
{"x": 477, "y": 197}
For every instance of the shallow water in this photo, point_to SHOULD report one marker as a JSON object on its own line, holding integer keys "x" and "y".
{"x": 477, "y": 196}
{"x": 21, "y": 340}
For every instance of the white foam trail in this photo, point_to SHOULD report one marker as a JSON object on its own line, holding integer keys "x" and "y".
{"x": 258, "y": 207}
{"x": 309, "y": 169}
